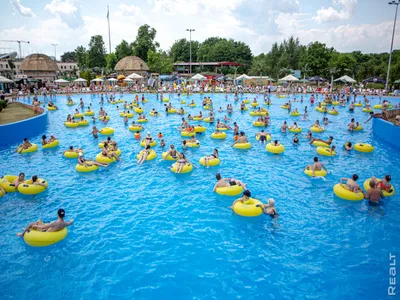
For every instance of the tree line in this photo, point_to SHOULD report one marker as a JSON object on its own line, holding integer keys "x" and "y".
{"x": 314, "y": 59}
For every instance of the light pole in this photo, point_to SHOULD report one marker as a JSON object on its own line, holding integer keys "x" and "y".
{"x": 394, "y": 2}
{"x": 190, "y": 49}
{"x": 55, "y": 52}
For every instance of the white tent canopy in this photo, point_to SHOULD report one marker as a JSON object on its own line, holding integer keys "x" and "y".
{"x": 80, "y": 80}
{"x": 346, "y": 79}
{"x": 97, "y": 80}
{"x": 198, "y": 77}
{"x": 289, "y": 78}
{"x": 5, "y": 80}
{"x": 243, "y": 77}
{"x": 112, "y": 79}
{"x": 134, "y": 76}
{"x": 61, "y": 81}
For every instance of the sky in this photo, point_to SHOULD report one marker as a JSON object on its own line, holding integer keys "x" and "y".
{"x": 346, "y": 25}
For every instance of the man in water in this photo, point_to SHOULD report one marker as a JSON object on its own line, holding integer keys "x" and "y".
{"x": 317, "y": 166}
{"x": 374, "y": 194}
{"x": 225, "y": 182}
{"x": 51, "y": 227}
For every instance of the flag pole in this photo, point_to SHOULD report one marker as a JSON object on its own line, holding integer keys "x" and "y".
{"x": 109, "y": 34}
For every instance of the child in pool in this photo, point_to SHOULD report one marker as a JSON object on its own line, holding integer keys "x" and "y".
{"x": 95, "y": 132}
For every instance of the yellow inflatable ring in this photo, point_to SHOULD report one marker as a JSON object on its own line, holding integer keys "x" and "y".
{"x": 83, "y": 123}
{"x": 193, "y": 145}
{"x": 86, "y": 169}
{"x": 7, "y": 183}
{"x": 248, "y": 208}
{"x": 206, "y": 119}
{"x": 53, "y": 144}
{"x": 218, "y": 136}
{"x": 152, "y": 144}
{"x": 152, "y": 114}
{"x": 378, "y": 106}
{"x": 130, "y": 115}
{"x": 284, "y": 106}
{"x": 38, "y": 238}
{"x": 106, "y": 131}
{"x": 221, "y": 128}
{"x": 358, "y": 128}
{"x": 51, "y": 108}
{"x": 135, "y": 128}
{"x": 70, "y": 104}
{"x": 295, "y": 114}
{"x": 358, "y": 104}
{"x": 114, "y": 102}
{"x": 232, "y": 190}
{"x": 142, "y": 121}
{"x": 192, "y": 105}
{"x": 183, "y": 102}
{"x": 363, "y": 147}
{"x": 71, "y": 124}
{"x": 27, "y": 188}
{"x": 254, "y": 104}
{"x": 385, "y": 193}
{"x": 71, "y": 154}
{"x": 206, "y": 107}
{"x": 138, "y": 110}
{"x": 335, "y": 102}
{"x": 117, "y": 152}
{"x": 320, "y": 109}
{"x": 367, "y": 110}
{"x": 186, "y": 168}
{"x": 185, "y": 133}
{"x": 211, "y": 162}
{"x": 169, "y": 157}
{"x": 165, "y": 100}
{"x": 323, "y": 103}
{"x": 320, "y": 144}
{"x": 333, "y": 112}
{"x": 172, "y": 111}
{"x": 258, "y": 124}
{"x": 268, "y": 137}
{"x": 325, "y": 151}
{"x": 197, "y": 119}
{"x": 275, "y": 149}
{"x": 104, "y": 159}
{"x": 242, "y": 146}
{"x": 31, "y": 149}
{"x": 89, "y": 113}
{"x": 316, "y": 129}
{"x": 199, "y": 129}
{"x": 298, "y": 129}
{"x": 77, "y": 116}
{"x": 342, "y": 192}
{"x": 316, "y": 173}
{"x": 152, "y": 155}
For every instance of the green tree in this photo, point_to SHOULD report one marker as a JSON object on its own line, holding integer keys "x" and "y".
{"x": 123, "y": 49}
{"x": 112, "y": 60}
{"x": 87, "y": 74}
{"x": 96, "y": 52}
{"x": 180, "y": 50}
{"x": 342, "y": 62}
{"x": 260, "y": 65}
{"x": 69, "y": 56}
{"x": 145, "y": 41}
{"x": 159, "y": 62}
{"x": 81, "y": 56}
{"x": 317, "y": 57}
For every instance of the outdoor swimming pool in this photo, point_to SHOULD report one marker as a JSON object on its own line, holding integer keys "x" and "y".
{"x": 145, "y": 232}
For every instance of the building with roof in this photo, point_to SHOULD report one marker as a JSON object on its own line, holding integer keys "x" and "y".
{"x": 131, "y": 64}
{"x": 39, "y": 66}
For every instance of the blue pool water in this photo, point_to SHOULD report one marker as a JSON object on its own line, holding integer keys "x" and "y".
{"x": 144, "y": 232}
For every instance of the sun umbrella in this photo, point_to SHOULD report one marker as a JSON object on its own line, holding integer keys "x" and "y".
{"x": 61, "y": 81}
{"x": 135, "y": 76}
{"x": 345, "y": 79}
{"x": 289, "y": 78}
{"x": 80, "y": 80}
{"x": 198, "y": 77}
{"x": 97, "y": 80}
{"x": 243, "y": 77}
{"x": 112, "y": 79}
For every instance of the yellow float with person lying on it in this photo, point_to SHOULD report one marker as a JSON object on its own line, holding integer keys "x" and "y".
{"x": 89, "y": 113}
{"x": 199, "y": 129}
{"x": 169, "y": 157}
{"x": 295, "y": 114}
{"x": 232, "y": 190}
{"x": 270, "y": 147}
{"x": 385, "y": 193}
{"x": 268, "y": 137}
{"x": 142, "y": 121}
{"x": 188, "y": 133}
{"x": 38, "y": 238}
{"x": 152, "y": 155}
{"x": 319, "y": 173}
{"x": 52, "y": 144}
{"x": 71, "y": 124}
{"x": 83, "y": 123}
{"x": 248, "y": 208}
{"x": 30, "y": 149}
{"x": 71, "y": 154}
{"x": 50, "y": 108}
{"x": 316, "y": 129}
{"x": 86, "y": 169}
{"x": 325, "y": 151}
{"x": 152, "y": 144}
{"x": 297, "y": 129}
{"x": 186, "y": 168}
{"x": 218, "y": 136}
{"x": 242, "y": 146}
{"x": 138, "y": 110}
{"x": 341, "y": 191}
{"x": 7, "y": 183}
{"x": 211, "y": 162}
{"x": 258, "y": 124}
{"x": 29, "y": 188}
{"x": 104, "y": 159}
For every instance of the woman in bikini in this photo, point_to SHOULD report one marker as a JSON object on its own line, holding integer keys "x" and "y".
{"x": 212, "y": 156}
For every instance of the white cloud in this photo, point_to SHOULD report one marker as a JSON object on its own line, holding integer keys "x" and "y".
{"x": 331, "y": 14}
{"x": 68, "y": 11}
{"x": 22, "y": 10}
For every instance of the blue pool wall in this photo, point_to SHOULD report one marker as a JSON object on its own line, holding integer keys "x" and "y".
{"x": 387, "y": 131}
{"x": 17, "y": 131}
